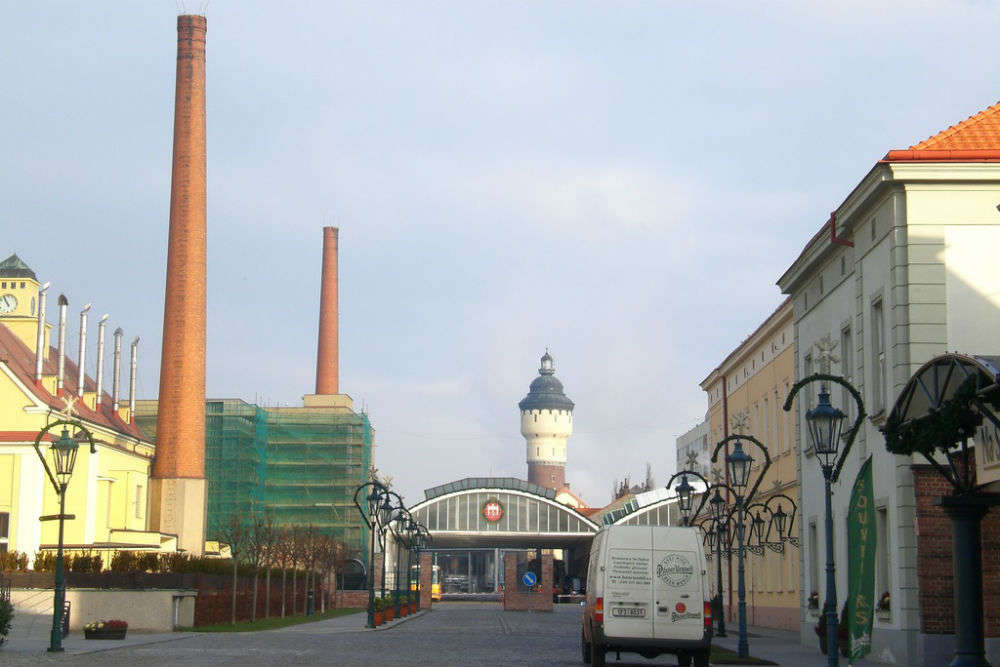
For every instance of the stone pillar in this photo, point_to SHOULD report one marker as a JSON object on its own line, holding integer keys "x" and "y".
{"x": 426, "y": 579}
{"x": 377, "y": 572}
{"x": 177, "y": 487}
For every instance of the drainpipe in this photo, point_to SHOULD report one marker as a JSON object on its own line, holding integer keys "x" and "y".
{"x": 82, "y": 365}
{"x": 40, "y": 351}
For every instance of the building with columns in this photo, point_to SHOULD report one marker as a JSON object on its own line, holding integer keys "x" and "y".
{"x": 903, "y": 270}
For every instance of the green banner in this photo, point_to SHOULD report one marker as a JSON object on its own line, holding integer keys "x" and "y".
{"x": 861, "y": 541}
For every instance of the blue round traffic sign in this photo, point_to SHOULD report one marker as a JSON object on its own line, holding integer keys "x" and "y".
{"x": 529, "y": 578}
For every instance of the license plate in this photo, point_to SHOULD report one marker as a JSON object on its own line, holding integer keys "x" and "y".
{"x": 628, "y": 611}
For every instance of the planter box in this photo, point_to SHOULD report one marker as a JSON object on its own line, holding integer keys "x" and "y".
{"x": 114, "y": 633}
{"x": 379, "y": 618}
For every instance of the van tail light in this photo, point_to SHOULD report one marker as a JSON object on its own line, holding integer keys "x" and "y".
{"x": 708, "y": 614}
{"x": 599, "y": 610}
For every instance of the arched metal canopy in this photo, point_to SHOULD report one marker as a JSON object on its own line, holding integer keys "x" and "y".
{"x": 938, "y": 380}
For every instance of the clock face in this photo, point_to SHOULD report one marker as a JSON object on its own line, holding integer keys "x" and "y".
{"x": 7, "y": 303}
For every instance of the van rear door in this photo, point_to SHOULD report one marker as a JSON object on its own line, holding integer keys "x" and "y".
{"x": 677, "y": 582}
{"x": 628, "y": 584}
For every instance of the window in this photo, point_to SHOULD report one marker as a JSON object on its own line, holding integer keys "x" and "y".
{"x": 843, "y": 265}
{"x": 846, "y": 368}
{"x": 878, "y": 357}
{"x": 813, "y": 558}
{"x": 882, "y": 582}
{"x": 821, "y": 284}
{"x": 4, "y": 531}
{"x": 807, "y": 370}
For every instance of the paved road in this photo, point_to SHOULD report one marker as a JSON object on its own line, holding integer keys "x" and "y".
{"x": 477, "y": 634}
{"x": 460, "y": 633}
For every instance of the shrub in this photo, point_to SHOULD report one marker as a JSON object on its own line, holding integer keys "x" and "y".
{"x": 45, "y": 561}
{"x": 84, "y": 563}
{"x": 6, "y": 615}
{"x": 124, "y": 561}
{"x": 13, "y": 561}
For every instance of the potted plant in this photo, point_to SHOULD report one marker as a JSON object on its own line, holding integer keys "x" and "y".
{"x": 884, "y": 605}
{"x": 379, "y": 612}
{"x": 113, "y": 629}
{"x": 843, "y": 641}
{"x": 390, "y": 609}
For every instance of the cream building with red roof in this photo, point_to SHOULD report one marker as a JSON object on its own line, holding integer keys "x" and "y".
{"x": 905, "y": 269}
{"x": 108, "y": 490}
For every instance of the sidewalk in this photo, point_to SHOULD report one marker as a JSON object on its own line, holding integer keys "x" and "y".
{"x": 783, "y": 647}
{"x": 30, "y": 633}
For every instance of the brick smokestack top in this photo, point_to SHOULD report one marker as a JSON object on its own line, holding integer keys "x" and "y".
{"x": 328, "y": 354}
{"x": 180, "y": 448}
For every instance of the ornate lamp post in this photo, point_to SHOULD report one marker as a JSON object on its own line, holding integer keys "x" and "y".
{"x": 64, "y": 452}
{"x": 740, "y": 465}
{"x": 717, "y": 535}
{"x": 372, "y": 494}
{"x": 684, "y": 495}
{"x": 825, "y": 423}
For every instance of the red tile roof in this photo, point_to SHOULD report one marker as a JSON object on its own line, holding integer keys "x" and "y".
{"x": 21, "y": 360}
{"x": 975, "y": 139}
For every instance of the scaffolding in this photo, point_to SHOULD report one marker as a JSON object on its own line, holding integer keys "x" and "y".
{"x": 299, "y": 465}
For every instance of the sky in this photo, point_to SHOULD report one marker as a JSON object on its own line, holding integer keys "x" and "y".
{"x": 622, "y": 183}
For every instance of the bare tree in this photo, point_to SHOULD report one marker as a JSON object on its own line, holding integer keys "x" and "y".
{"x": 283, "y": 550}
{"x": 269, "y": 537}
{"x": 298, "y": 548}
{"x": 236, "y": 534}
{"x": 259, "y": 538}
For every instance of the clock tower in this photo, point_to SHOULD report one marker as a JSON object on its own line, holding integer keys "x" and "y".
{"x": 19, "y": 300}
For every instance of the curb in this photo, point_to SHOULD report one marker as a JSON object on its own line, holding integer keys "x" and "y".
{"x": 397, "y": 622}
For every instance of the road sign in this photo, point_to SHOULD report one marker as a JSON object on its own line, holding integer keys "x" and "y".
{"x": 529, "y": 578}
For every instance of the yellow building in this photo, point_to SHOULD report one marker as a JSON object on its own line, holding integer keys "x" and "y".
{"x": 745, "y": 394}
{"x": 108, "y": 490}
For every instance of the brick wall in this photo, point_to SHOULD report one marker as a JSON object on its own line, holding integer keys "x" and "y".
{"x": 934, "y": 558}
{"x": 518, "y": 600}
{"x": 426, "y": 573}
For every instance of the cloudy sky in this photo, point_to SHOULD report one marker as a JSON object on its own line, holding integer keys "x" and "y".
{"x": 622, "y": 182}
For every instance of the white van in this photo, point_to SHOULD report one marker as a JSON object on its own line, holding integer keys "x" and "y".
{"x": 647, "y": 593}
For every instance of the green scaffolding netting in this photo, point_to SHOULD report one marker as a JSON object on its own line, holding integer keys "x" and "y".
{"x": 301, "y": 465}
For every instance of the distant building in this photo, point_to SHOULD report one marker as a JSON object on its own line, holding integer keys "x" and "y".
{"x": 300, "y": 465}
{"x": 693, "y": 450}
{"x": 546, "y": 424}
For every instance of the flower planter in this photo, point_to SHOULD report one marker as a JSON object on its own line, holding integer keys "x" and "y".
{"x": 379, "y": 618}
{"x": 113, "y": 633}
{"x": 390, "y": 613}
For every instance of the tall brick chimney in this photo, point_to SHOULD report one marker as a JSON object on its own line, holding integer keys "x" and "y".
{"x": 327, "y": 356}
{"x": 177, "y": 488}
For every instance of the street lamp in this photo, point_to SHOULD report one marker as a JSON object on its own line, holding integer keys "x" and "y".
{"x": 825, "y": 423}
{"x": 372, "y": 493}
{"x": 740, "y": 465}
{"x": 685, "y": 492}
{"x": 64, "y": 452}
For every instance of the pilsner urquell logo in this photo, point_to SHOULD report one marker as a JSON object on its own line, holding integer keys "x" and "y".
{"x": 674, "y": 570}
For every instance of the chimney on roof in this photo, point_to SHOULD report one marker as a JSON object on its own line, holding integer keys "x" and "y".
{"x": 177, "y": 484}
{"x": 131, "y": 381}
{"x": 328, "y": 353}
{"x": 100, "y": 360}
{"x": 63, "y": 303}
{"x": 116, "y": 378}
{"x": 40, "y": 351}
{"x": 82, "y": 366}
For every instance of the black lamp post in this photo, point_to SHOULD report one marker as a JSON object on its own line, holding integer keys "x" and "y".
{"x": 825, "y": 423}
{"x": 64, "y": 452}
{"x": 717, "y": 537}
{"x": 740, "y": 466}
{"x": 372, "y": 494}
{"x": 685, "y": 492}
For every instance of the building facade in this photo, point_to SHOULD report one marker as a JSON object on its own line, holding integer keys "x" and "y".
{"x": 901, "y": 273}
{"x": 745, "y": 394}
{"x": 107, "y": 493}
{"x": 693, "y": 450}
